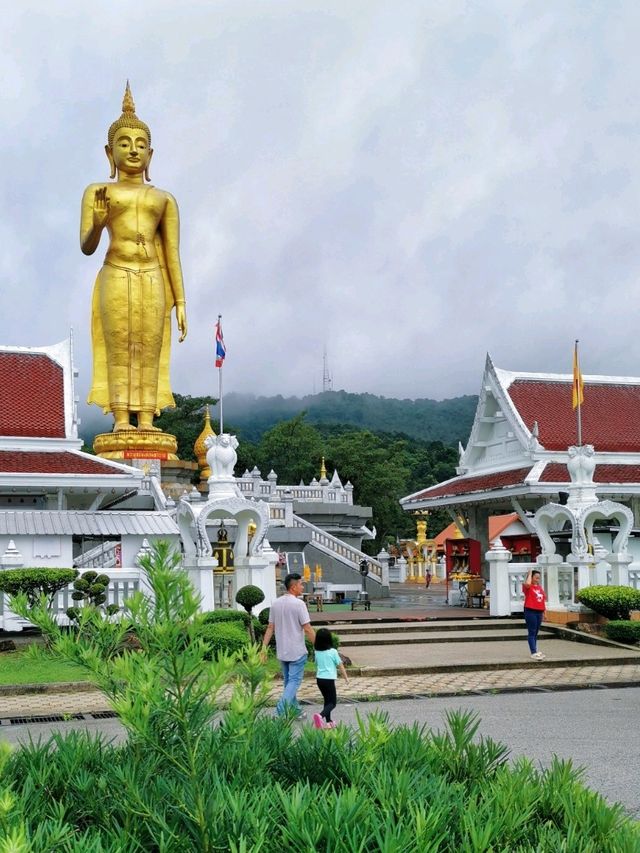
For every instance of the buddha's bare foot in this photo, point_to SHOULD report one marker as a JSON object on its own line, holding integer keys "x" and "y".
{"x": 147, "y": 426}
{"x": 123, "y": 426}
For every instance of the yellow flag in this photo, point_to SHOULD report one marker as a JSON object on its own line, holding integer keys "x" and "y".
{"x": 578, "y": 383}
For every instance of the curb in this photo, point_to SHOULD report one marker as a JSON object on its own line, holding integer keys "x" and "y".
{"x": 47, "y": 687}
{"x": 30, "y": 719}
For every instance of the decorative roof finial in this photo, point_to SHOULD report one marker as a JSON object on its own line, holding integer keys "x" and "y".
{"x": 323, "y": 470}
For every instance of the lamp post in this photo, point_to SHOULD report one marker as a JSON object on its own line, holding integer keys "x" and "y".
{"x": 364, "y": 571}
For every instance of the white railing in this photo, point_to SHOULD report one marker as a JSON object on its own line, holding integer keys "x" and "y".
{"x": 123, "y": 583}
{"x": 334, "y": 547}
{"x": 252, "y": 485}
{"x": 566, "y": 586}
{"x": 103, "y": 556}
{"x": 634, "y": 578}
{"x": 517, "y": 574}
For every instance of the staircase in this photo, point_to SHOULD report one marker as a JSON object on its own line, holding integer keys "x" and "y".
{"x": 449, "y": 644}
{"x": 103, "y": 556}
{"x": 346, "y": 555}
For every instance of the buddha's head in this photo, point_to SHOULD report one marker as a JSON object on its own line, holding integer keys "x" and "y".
{"x": 129, "y": 147}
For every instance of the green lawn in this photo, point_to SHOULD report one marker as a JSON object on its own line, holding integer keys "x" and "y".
{"x": 20, "y": 668}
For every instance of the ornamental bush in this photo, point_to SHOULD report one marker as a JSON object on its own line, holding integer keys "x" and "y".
{"x": 623, "y": 631}
{"x": 249, "y": 597}
{"x": 223, "y": 638}
{"x": 212, "y": 617}
{"x": 613, "y": 602}
{"x": 195, "y": 775}
{"x": 34, "y": 583}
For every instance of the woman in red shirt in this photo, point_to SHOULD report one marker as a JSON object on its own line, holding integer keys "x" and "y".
{"x": 534, "y": 607}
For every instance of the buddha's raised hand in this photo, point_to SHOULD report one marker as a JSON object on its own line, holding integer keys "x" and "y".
{"x": 100, "y": 207}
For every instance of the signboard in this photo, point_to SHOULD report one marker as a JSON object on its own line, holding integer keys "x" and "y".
{"x": 295, "y": 562}
{"x": 146, "y": 454}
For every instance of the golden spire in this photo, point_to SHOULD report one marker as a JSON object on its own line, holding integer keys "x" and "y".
{"x": 199, "y": 447}
{"x": 128, "y": 117}
{"x": 323, "y": 470}
{"x": 127, "y": 102}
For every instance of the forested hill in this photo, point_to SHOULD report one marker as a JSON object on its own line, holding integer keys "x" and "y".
{"x": 448, "y": 421}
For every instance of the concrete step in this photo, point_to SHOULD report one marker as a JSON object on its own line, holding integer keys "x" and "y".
{"x": 355, "y": 628}
{"x": 412, "y": 658}
{"x": 443, "y": 637}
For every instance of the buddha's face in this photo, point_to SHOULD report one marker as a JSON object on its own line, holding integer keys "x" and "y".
{"x": 131, "y": 152}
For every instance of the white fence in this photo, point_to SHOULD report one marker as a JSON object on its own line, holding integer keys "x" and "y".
{"x": 506, "y": 594}
{"x": 123, "y": 583}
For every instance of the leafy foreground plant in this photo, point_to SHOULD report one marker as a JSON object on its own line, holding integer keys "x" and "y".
{"x": 188, "y": 780}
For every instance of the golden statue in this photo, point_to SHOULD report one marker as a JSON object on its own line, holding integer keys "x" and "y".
{"x": 139, "y": 283}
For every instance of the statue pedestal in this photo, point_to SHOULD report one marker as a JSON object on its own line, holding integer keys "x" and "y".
{"x": 136, "y": 444}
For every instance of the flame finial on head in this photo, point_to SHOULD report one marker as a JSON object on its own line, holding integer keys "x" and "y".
{"x": 128, "y": 117}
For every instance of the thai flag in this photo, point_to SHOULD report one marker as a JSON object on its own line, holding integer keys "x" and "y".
{"x": 221, "y": 350}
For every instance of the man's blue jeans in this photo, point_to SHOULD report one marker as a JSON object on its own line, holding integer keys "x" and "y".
{"x": 292, "y": 672}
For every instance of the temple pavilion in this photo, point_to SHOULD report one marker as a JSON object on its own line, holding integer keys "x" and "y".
{"x": 516, "y": 455}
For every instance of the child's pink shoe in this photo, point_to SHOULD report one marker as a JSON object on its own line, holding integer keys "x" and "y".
{"x": 318, "y": 722}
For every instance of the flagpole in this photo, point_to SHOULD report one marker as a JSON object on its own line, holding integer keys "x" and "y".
{"x": 579, "y": 406}
{"x": 220, "y": 383}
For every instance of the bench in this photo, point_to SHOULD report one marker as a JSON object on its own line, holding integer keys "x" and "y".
{"x": 364, "y": 603}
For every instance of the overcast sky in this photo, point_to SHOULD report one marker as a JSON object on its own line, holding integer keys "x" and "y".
{"x": 411, "y": 183}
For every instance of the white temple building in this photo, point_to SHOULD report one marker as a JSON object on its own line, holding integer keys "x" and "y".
{"x": 521, "y": 455}
{"x": 62, "y": 507}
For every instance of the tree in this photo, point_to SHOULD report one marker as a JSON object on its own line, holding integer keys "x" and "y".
{"x": 378, "y": 472}
{"x": 293, "y": 449}
{"x": 186, "y": 422}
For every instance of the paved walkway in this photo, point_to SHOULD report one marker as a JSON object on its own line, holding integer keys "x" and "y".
{"x": 366, "y": 688}
{"x": 407, "y": 669}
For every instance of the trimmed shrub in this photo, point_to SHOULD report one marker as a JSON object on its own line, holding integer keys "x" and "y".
{"x": 263, "y": 616}
{"x": 613, "y": 602}
{"x": 35, "y": 583}
{"x": 249, "y": 597}
{"x": 213, "y": 617}
{"x": 252, "y": 783}
{"x": 90, "y": 590}
{"x": 223, "y": 637}
{"x": 623, "y": 631}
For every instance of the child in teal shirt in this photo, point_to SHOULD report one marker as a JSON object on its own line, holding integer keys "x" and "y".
{"x": 327, "y": 664}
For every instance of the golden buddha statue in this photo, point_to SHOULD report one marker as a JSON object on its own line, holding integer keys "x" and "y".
{"x": 139, "y": 283}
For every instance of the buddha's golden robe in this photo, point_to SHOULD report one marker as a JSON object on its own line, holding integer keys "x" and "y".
{"x": 131, "y": 335}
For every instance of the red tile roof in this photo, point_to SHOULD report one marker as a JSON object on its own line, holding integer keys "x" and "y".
{"x": 40, "y": 462}
{"x": 31, "y": 395}
{"x": 497, "y": 523}
{"x": 554, "y": 472}
{"x": 465, "y": 485}
{"x": 610, "y": 413}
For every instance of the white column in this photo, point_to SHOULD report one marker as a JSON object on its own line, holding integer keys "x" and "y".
{"x": 498, "y": 558}
{"x": 200, "y": 572}
{"x": 383, "y": 559}
{"x": 586, "y": 569}
{"x": 549, "y": 565}
{"x": 401, "y": 564}
{"x": 619, "y": 569}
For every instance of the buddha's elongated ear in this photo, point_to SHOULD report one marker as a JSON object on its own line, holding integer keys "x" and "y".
{"x": 112, "y": 162}
{"x": 146, "y": 168}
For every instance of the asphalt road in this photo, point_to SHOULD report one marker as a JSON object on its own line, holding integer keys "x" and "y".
{"x": 597, "y": 729}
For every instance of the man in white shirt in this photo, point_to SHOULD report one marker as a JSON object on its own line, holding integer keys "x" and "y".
{"x": 289, "y": 618}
